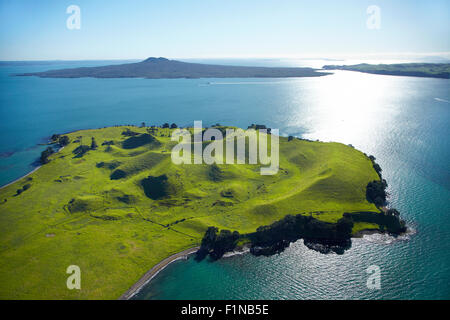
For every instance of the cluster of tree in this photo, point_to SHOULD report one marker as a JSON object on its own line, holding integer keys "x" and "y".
{"x": 274, "y": 238}
{"x": 63, "y": 141}
{"x": 388, "y": 221}
{"x": 292, "y": 228}
{"x": 24, "y": 188}
{"x": 217, "y": 244}
{"x": 172, "y": 126}
{"x": 45, "y": 154}
{"x": 376, "y": 192}
{"x": 290, "y": 138}
{"x": 259, "y": 126}
{"x": 376, "y": 166}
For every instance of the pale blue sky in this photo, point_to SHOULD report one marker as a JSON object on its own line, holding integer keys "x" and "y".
{"x": 135, "y": 29}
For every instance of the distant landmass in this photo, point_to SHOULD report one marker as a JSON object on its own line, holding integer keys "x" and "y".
{"x": 430, "y": 70}
{"x": 162, "y": 68}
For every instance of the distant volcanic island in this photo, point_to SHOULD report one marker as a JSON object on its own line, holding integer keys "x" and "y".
{"x": 162, "y": 68}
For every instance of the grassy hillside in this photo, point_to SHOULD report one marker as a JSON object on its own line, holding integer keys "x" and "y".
{"x": 102, "y": 210}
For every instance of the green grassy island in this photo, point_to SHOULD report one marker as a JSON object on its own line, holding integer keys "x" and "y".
{"x": 112, "y": 202}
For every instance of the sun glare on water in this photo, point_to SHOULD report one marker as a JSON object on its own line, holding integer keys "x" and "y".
{"x": 347, "y": 106}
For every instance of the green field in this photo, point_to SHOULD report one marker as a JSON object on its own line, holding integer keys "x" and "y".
{"x": 73, "y": 213}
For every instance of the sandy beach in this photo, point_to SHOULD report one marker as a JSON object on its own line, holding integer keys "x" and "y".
{"x": 154, "y": 271}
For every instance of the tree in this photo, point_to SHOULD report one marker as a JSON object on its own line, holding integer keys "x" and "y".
{"x": 165, "y": 125}
{"x": 143, "y": 125}
{"x": 290, "y": 138}
{"x": 93, "y": 144}
{"x": 45, "y": 154}
{"x": 173, "y": 126}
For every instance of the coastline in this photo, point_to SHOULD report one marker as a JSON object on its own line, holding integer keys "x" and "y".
{"x": 149, "y": 275}
{"x": 26, "y": 175}
{"x": 18, "y": 179}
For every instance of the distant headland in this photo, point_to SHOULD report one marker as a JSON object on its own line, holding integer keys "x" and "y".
{"x": 162, "y": 68}
{"x": 427, "y": 70}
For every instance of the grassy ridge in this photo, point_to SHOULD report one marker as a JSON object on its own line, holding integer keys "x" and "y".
{"x": 74, "y": 213}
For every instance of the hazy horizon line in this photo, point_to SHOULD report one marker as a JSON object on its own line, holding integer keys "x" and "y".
{"x": 360, "y": 56}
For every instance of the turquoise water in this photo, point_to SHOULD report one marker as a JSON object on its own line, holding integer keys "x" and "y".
{"x": 403, "y": 121}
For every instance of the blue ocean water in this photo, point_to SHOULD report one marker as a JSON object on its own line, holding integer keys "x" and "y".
{"x": 403, "y": 121}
